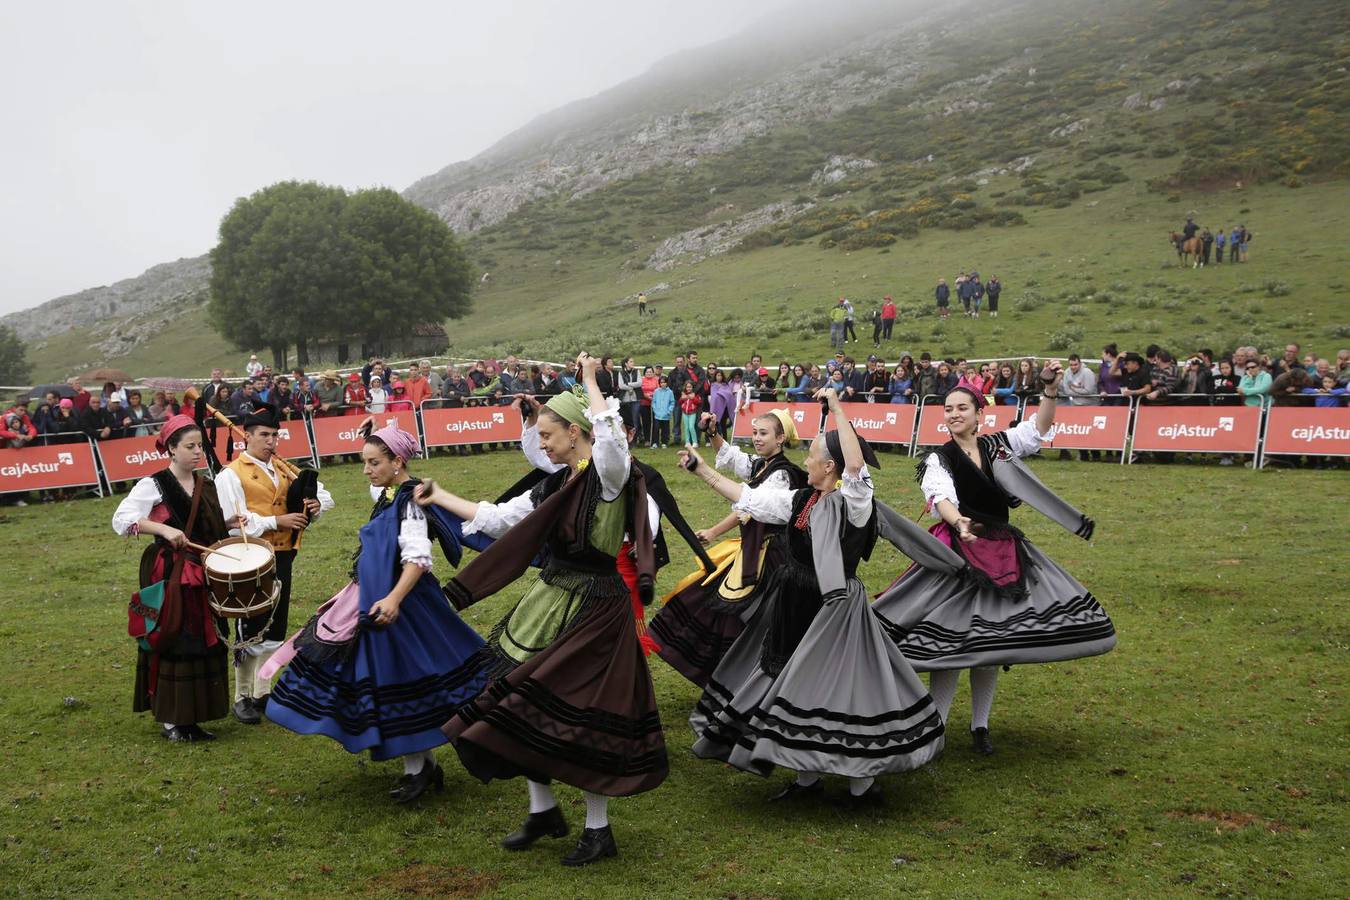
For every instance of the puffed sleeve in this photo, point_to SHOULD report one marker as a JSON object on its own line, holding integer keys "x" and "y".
{"x": 230, "y": 491}
{"x": 495, "y": 519}
{"x": 414, "y": 545}
{"x": 1025, "y": 440}
{"x": 136, "y": 505}
{"x": 529, "y": 445}
{"x": 609, "y": 451}
{"x": 770, "y": 505}
{"x": 937, "y": 483}
{"x": 857, "y": 491}
{"x": 729, "y": 456}
{"x": 325, "y": 498}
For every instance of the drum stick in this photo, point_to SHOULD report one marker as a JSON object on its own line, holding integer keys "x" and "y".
{"x": 200, "y": 549}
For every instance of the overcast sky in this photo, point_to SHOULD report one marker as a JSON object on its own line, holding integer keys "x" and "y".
{"x": 131, "y": 127}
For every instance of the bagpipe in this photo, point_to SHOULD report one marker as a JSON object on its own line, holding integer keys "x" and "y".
{"x": 304, "y": 482}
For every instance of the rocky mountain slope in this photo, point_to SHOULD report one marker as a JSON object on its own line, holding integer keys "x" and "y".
{"x": 855, "y": 132}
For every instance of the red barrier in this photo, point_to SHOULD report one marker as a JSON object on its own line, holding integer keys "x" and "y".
{"x": 888, "y": 423}
{"x": 1316, "y": 431}
{"x": 1088, "y": 427}
{"x": 335, "y": 435}
{"x": 47, "y": 466}
{"x": 292, "y": 441}
{"x": 1200, "y": 429}
{"x": 470, "y": 425}
{"x": 806, "y": 416}
{"x": 933, "y": 428}
{"x": 126, "y": 458}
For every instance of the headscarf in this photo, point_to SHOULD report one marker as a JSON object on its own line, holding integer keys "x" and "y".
{"x": 836, "y": 451}
{"x": 571, "y": 406}
{"x": 784, "y": 417}
{"x": 400, "y": 443}
{"x": 171, "y": 427}
{"x": 975, "y": 395}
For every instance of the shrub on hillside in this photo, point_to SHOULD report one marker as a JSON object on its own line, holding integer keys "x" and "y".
{"x": 1066, "y": 339}
{"x": 1275, "y": 288}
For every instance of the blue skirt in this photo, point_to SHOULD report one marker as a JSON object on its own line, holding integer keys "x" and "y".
{"x": 393, "y": 688}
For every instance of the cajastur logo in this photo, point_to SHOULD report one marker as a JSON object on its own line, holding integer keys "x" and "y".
{"x": 37, "y": 468}
{"x": 1320, "y": 433}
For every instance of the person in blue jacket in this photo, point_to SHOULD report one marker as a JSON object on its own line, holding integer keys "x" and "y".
{"x": 663, "y": 409}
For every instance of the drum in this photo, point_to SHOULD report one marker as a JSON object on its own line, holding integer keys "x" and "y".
{"x": 241, "y": 578}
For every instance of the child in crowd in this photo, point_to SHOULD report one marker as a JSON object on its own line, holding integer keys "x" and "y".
{"x": 690, "y": 405}
{"x": 1328, "y": 395}
{"x": 663, "y": 407}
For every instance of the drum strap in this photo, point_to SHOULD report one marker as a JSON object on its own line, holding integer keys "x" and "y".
{"x": 171, "y": 614}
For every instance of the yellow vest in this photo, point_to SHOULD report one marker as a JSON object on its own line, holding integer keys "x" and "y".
{"x": 265, "y": 500}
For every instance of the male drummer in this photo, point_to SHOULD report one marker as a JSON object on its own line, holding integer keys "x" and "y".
{"x": 252, "y": 486}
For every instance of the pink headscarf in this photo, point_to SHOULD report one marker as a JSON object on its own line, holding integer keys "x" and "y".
{"x": 399, "y": 442}
{"x": 171, "y": 427}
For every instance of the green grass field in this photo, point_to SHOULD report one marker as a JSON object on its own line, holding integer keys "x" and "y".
{"x": 1205, "y": 755}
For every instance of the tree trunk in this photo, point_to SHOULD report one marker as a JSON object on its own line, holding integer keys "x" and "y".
{"x": 344, "y": 353}
{"x": 302, "y": 353}
{"x": 279, "y": 358}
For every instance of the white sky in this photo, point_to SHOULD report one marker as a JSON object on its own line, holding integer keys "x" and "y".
{"x": 131, "y": 126}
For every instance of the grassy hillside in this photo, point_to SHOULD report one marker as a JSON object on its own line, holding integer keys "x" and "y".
{"x": 1053, "y": 143}
{"x": 1204, "y": 755}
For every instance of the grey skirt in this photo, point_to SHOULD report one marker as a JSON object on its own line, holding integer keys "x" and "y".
{"x": 944, "y": 621}
{"x": 846, "y": 702}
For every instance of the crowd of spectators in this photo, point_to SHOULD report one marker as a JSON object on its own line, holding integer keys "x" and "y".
{"x": 659, "y": 404}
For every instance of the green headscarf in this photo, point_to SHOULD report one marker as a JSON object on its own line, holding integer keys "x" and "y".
{"x": 571, "y": 406}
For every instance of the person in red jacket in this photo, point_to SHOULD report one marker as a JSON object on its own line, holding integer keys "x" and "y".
{"x": 16, "y": 428}
{"x": 887, "y": 317}
{"x": 354, "y": 396}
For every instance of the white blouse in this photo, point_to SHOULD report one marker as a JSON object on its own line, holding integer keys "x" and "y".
{"x": 414, "y": 542}
{"x": 773, "y": 505}
{"x": 741, "y": 464}
{"x": 136, "y": 505}
{"x": 937, "y": 483}
{"x": 609, "y": 455}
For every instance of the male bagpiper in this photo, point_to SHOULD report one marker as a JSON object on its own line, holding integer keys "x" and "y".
{"x": 254, "y": 483}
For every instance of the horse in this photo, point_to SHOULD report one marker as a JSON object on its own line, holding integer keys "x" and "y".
{"x": 1188, "y": 247}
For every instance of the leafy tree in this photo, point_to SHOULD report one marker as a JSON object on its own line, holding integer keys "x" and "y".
{"x": 14, "y": 365}
{"x": 300, "y": 261}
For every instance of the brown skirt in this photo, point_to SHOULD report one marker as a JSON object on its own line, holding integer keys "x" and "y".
{"x": 582, "y": 711}
{"x": 191, "y": 689}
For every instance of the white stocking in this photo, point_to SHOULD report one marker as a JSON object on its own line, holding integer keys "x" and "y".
{"x": 858, "y": 786}
{"x": 261, "y": 686}
{"x": 416, "y": 762}
{"x": 982, "y": 683}
{"x": 597, "y": 810}
{"x": 942, "y": 685}
{"x": 541, "y": 797}
{"x": 806, "y": 779}
{"x": 244, "y": 676}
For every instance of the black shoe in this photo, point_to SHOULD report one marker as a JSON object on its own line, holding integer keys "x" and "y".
{"x": 410, "y": 787}
{"x": 186, "y": 734}
{"x": 795, "y": 791}
{"x": 980, "y": 738}
{"x": 549, "y": 823}
{"x": 260, "y": 704}
{"x": 245, "y": 711}
{"x": 867, "y": 799}
{"x": 595, "y": 844}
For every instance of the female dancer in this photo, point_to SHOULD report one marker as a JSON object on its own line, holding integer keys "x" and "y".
{"x": 383, "y": 663}
{"x": 182, "y": 679}
{"x": 815, "y": 685}
{"x": 570, "y": 698}
{"x": 706, "y": 612}
{"x": 1021, "y": 607}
